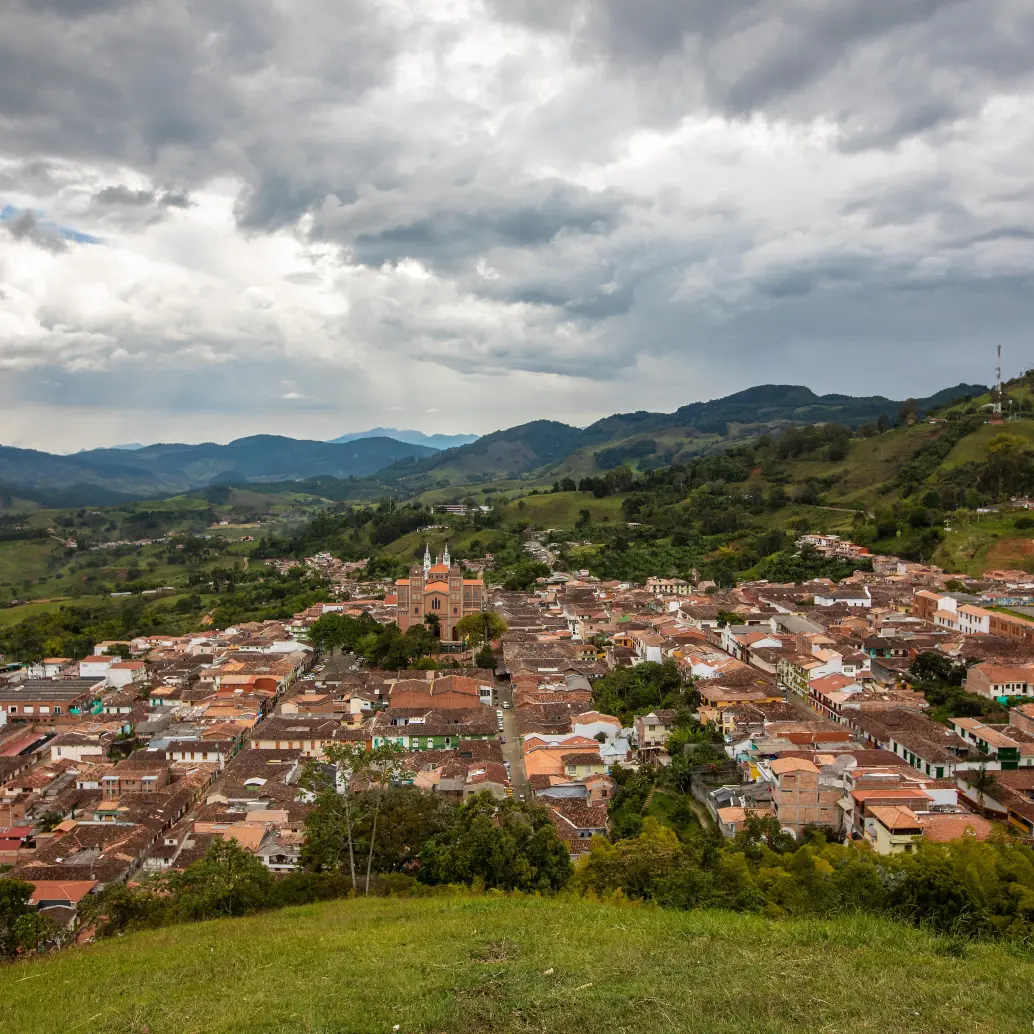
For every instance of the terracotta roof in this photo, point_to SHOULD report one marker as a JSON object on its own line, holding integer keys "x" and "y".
{"x": 436, "y": 586}
{"x": 897, "y": 819}
{"x": 783, "y": 765}
{"x": 942, "y": 828}
{"x": 72, "y": 891}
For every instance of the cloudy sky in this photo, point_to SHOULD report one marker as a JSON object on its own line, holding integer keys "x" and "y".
{"x": 223, "y": 217}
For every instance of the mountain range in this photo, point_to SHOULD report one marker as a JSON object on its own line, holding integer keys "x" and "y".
{"x": 433, "y": 441}
{"x": 653, "y": 439}
{"x": 547, "y": 447}
{"x": 107, "y": 476}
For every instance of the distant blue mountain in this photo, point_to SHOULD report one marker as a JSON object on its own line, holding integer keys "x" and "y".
{"x": 126, "y": 447}
{"x": 432, "y": 441}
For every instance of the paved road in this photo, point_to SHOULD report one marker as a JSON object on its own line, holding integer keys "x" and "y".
{"x": 512, "y": 746}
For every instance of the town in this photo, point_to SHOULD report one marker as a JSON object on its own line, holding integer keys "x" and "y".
{"x": 806, "y": 703}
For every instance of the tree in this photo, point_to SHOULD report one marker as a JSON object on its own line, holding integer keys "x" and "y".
{"x": 14, "y": 903}
{"x": 385, "y": 764}
{"x": 983, "y": 781}
{"x": 485, "y": 658}
{"x": 477, "y": 629}
{"x": 34, "y": 929}
{"x": 504, "y": 844}
{"x": 331, "y": 828}
{"x": 934, "y": 894}
{"x": 228, "y": 881}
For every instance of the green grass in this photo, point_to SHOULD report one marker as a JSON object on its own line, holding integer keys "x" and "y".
{"x": 670, "y": 811}
{"x": 973, "y": 448}
{"x": 561, "y": 509}
{"x": 468, "y": 964}
{"x": 490, "y": 539}
{"x": 12, "y": 615}
{"x": 25, "y": 558}
{"x": 984, "y": 543}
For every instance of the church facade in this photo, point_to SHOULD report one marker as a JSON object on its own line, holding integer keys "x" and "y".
{"x": 440, "y": 589}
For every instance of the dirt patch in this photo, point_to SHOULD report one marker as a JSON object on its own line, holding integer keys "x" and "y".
{"x": 1007, "y": 553}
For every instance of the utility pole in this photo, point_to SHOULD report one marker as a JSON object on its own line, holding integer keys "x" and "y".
{"x": 996, "y": 409}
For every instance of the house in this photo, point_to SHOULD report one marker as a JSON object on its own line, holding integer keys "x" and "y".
{"x": 652, "y": 731}
{"x": 732, "y": 818}
{"x": 648, "y": 646}
{"x": 801, "y": 794}
{"x": 577, "y": 823}
{"x": 96, "y": 667}
{"x": 995, "y": 742}
{"x": 844, "y": 595}
{"x": 1000, "y": 681}
{"x": 668, "y": 586}
{"x": 924, "y": 744}
{"x": 828, "y": 694}
{"x": 896, "y": 829}
{"x": 49, "y": 701}
{"x": 48, "y": 667}
{"x": 581, "y": 765}
{"x": 426, "y": 728}
{"x": 122, "y": 673}
{"x": 797, "y": 671}
{"x": 81, "y": 746}
{"x": 136, "y": 775}
{"x": 289, "y": 732}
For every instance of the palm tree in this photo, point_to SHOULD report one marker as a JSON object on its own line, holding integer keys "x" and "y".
{"x": 983, "y": 782}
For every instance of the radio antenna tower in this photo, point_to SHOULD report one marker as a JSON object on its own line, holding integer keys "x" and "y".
{"x": 997, "y": 407}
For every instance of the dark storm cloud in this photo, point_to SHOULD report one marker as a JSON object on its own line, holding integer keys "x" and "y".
{"x": 80, "y": 8}
{"x": 125, "y": 207}
{"x": 174, "y": 199}
{"x": 886, "y": 69}
{"x": 123, "y": 195}
{"x": 26, "y": 227}
{"x": 454, "y": 225}
{"x": 190, "y": 85}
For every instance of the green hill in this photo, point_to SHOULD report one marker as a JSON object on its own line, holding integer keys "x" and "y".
{"x": 647, "y": 439}
{"x": 101, "y": 477}
{"x": 521, "y": 964}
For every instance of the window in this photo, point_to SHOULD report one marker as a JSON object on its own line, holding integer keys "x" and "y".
{"x": 436, "y": 604}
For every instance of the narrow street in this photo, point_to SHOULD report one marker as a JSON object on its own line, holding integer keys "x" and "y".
{"x": 512, "y": 747}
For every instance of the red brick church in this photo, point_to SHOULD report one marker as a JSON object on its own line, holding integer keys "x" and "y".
{"x": 439, "y": 589}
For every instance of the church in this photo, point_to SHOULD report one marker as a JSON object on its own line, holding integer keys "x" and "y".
{"x": 438, "y": 588}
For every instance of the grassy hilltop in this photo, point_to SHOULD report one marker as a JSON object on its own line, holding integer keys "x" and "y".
{"x": 500, "y": 964}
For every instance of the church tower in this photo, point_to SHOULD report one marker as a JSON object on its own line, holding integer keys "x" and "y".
{"x": 445, "y": 557}
{"x": 427, "y": 559}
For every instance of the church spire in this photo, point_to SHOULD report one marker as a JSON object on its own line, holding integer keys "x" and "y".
{"x": 445, "y": 557}
{"x": 427, "y": 558}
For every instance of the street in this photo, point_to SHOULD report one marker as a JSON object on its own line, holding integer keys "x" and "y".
{"x": 512, "y": 747}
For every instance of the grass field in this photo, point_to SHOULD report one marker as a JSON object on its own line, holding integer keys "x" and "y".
{"x": 973, "y": 448}
{"x": 469, "y": 964}
{"x": 470, "y": 541}
{"x": 12, "y": 615}
{"x": 561, "y": 509}
{"x": 26, "y": 558}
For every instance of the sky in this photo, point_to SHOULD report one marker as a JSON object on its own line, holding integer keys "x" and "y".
{"x": 309, "y": 217}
